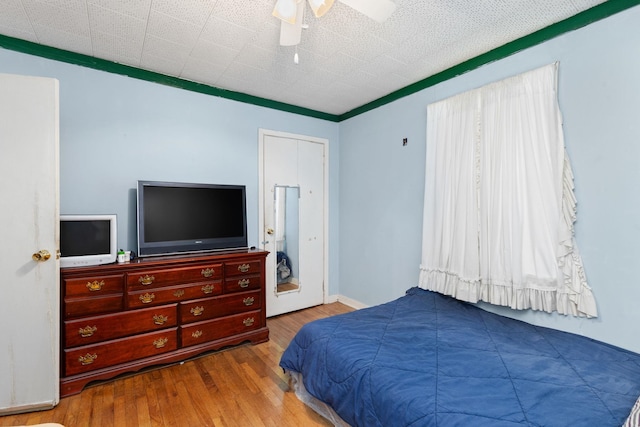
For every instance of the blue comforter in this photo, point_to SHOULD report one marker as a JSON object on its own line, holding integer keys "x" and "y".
{"x": 429, "y": 360}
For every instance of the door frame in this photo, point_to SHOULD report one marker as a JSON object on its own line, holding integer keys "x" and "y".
{"x": 325, "y": 197}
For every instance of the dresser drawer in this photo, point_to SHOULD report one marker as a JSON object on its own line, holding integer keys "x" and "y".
{"x": 202, "y": 332}
{"x": 203, "y": 309}
{"x": 109, "y": 353}
{"x": 167, "y": 277}
{"x": 242, "y": 283}
{"x": 117, "y": 325}
{"x": 242, "y": 268}
{"x": 94, "y": 286}
{"x": 155, "y": 296}
{"x": 74, "y": 307}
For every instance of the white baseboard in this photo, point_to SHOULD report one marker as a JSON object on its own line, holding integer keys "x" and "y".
{"x": 346, "y": 301}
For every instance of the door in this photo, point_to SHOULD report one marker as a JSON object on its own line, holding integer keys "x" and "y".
{"x": 293, "y": 220}
{"x": 29, "y": 269}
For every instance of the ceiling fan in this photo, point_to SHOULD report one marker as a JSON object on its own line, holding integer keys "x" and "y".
{"x": 291, "y": 12}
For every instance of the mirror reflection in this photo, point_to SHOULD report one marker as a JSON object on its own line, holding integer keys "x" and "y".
{"x": 287, "y": 238}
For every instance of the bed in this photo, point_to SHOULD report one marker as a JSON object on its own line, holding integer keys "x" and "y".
{"x": 426, "y": 359}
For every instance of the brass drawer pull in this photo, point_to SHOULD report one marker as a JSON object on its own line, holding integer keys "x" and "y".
{"x": 87, "y": 359}
{"x": 95, "y": 285}
{"x": 244, "y": 283}
{"x": 160, "y": 319}
{"x": 146, "y": 280}
{"x": 248, "y": 301}
{"x": 248, "y": 321}
{"x": 196, "y": 334}
{"x": 207, "y": 289}
{"x": 197, "y": 311}
{"x": 87, "y": 331}
{"x": 243, "y": 268}
{"x": 147, "y": 298}
{"x": 207, "y": 272}
{"x": 160, "y": 342}
{"x": 179, "y": 293}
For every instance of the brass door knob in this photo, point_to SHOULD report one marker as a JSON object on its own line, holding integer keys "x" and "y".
{"x": 270, "y": 231}
{"x": 41, "y": 255}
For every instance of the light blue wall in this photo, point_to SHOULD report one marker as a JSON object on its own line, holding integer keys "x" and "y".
{"x": 382, "y": 183}
{"x": 115, "y": 130}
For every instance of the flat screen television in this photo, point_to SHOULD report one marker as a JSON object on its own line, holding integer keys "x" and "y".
{"x": 88, "y": 240}
{"x": 176, "y": 217}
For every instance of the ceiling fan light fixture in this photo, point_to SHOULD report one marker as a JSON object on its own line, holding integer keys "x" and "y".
{"x": 320, "y": 7}
{"x": 286, "y": 10}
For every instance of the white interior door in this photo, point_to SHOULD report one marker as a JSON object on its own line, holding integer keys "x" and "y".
{"x": 293, "y": 220}
{"x": 29, "y": 314}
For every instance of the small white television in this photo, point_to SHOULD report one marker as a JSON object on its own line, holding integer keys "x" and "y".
{"x": 88, "y": 240}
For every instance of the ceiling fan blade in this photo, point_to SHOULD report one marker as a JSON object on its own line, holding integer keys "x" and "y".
{"x": 378, "y": 10}
{"x": 290, "y": 34}
{"x": 286, "y": 10}
{"x": 320, "y": 7}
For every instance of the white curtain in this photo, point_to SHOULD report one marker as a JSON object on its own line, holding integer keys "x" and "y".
{"x": 499, "y": 205}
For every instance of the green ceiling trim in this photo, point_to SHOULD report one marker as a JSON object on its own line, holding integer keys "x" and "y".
{"x": 116, "y": 68}
{"x": 580, "y": 20}
{"x": 596, "y": 13}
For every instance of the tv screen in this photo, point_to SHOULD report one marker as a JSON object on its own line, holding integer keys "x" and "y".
{"x": 87, "y": 240}
{"x": 186, "y": 217}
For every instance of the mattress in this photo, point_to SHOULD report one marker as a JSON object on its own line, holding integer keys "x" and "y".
{"x": 426, "y": 359}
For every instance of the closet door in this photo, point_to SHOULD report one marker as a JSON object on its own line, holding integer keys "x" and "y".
{"x": 29, "y": 268}
{"x": 293, "y": 220}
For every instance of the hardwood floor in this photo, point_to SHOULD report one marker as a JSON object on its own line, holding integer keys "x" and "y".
{"x": 240, "y": 386}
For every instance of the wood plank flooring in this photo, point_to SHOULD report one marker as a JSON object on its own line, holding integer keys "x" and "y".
{"x": 241, "y": 386}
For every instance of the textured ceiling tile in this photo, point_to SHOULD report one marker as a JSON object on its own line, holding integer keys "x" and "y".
{"x": 29, "y": 36}
{"x": 202, "y": 71}
{"x": 226, "y": 33}
{"x": 367, "y": 48}
{"x": 323, "y": 41}
{"x": 322, "y": 77}
{"x": 127, "y": 28}
{"x": 63, "y": 40}
{"x": 243, "y": 72}
{"x": 267, "y": 35}
{"x": 391, "y": 82}
{"x": 71, "y": 6}
{"x": 165, "y": 49}
{"x": 213, "y": 53}
{"x": 257, "y": 57}
{"x": 382, "y": 65}
{"x": 266, "y": 88}
{"x": 580, "y": 5}
{"x": 71, "y": 21}
{"x": 346, "y": 21}
{"x": 345, "y": 59}
{"x": 161, "y": 65}
{"x": 171, "y": 29}
{"x": 341, "y": 63}
{"x": 286, "y": 75}
{"x": 195, "y": 12}
{"x": 138, "y": 9}
{"x": 13, "y": 16}
{"x": 247, "y": 13}
{"x": 115, "y": 49}
{"x": 358, "y": 78}
{"x": 308, "y": 61}
{"x": 230, "y": 81}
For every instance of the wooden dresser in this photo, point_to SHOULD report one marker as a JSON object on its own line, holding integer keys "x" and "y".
{"x": 120, "y": 318}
